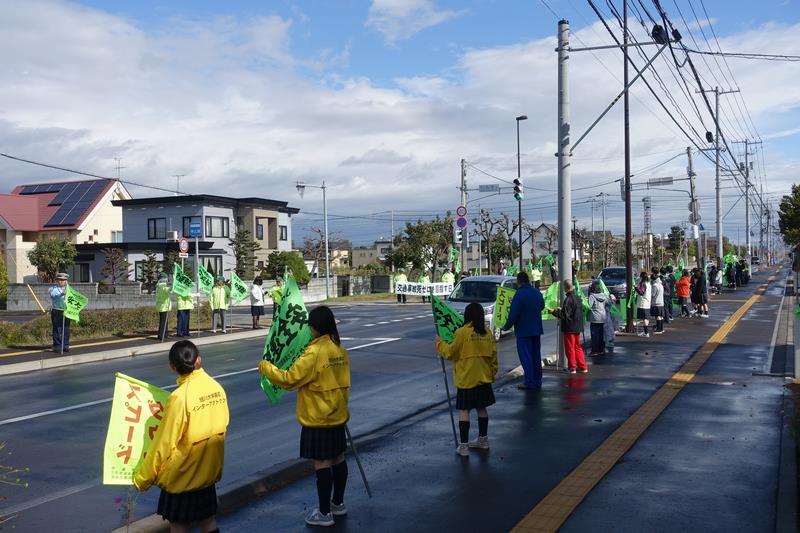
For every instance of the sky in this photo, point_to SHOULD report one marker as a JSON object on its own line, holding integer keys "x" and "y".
{"x": 382, "y": 99}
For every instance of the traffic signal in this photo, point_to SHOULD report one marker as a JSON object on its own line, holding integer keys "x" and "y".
{"x": 457, "y": 235}
{"x": 518, "y": 189}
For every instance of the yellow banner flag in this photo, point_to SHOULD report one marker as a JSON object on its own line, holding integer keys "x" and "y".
{"x": 136, "y": 414}
{"x": 502, "y": 305}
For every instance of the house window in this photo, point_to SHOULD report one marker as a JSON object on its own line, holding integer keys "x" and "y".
{"x": 156, "y": 228}
{"x": 116, "y": 236}
{"x": 260, "y": 232}
{"x": 212, "y": 263}
{"x": 217, "y": 227}
{"x": 80, "y": 273}
{"x": 186, "y": 224}
{"x": 284, "y": 233}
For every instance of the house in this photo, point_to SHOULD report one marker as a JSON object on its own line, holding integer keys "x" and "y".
{"x": 338, "y": 254}
{"x": 365, "y": 255}
{"x": 545, "y": 241}
{"x": 156, "y": 224}
{"x": 82, "y": 211}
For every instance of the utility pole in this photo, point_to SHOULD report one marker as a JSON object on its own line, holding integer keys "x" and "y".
{"x": 761, "y": 226}
{"x": 603, "y": 201}
{"x": 628, "y": 222}
{"x": 464, "y": 203}
{"x": 564, "y": 161}
{"x": 591, "y": 243}
{"x": 694, "y": 208}
{"x": 717, "y": 149}
{"x": 391, "y": 241}
{"x": 747, "y": 199}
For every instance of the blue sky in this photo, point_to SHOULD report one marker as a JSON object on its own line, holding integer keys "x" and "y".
{"x": 382, "y": 99}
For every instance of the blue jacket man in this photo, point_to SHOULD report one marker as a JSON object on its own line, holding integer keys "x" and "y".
{"x": 525, "y": 316}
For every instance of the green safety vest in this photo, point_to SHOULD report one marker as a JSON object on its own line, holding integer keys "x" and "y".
{"x": 448, "y": 277}
{"x": 424, "y": 279}
{"x": 536, "y": 275}
{"x": 184, "y": 303}
{"x": 220, "y": 297}
{"x": 163, "y": 303}
{"x": 400, "y": 278}
{"x": 276, "y": 293}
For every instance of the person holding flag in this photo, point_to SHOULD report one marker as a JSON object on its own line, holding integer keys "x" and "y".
{"x": 276, "y": 293}
{"x": 184, "y": 304}
{"x": 163, "y": 304}
{"x": 525, "y": 316}
{"x": 321, "y": 376}
{"x": 256, "y": 301}
{"x": 448, "y": 277}
{"x": 571, "y": 315}
{"x": 220, "y": 301}
{"x": 186, "y": 456}
{"x": 536, "y": 273}
{"x": 58, "y": 293}
{"x": 599, "y": 308}
{"x": 474, "y": 356}
{"x": 400, "y": 277}
{"x": 424, "y": 279}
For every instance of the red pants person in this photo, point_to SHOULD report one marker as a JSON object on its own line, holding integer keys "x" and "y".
{"x": 574, "y": 351}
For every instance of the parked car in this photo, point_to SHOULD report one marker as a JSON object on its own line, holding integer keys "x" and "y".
{"x": 614, "y": 278}
{"x": 754, "y": 260}
{"x": 483, "y": 290}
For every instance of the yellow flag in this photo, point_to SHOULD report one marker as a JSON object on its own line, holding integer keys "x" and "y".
{"x": 136, "y": 413}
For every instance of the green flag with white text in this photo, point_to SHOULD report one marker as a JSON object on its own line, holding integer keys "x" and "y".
{"x": 288, "y": 335}
{"x": 73, "y": 303}
{"x": 238, "y": 288}
{"x": 205, "y": 278}
{"x": 502, "y": 305}
{"x": 446, "y": 319}
{"x": 181, "y": 283}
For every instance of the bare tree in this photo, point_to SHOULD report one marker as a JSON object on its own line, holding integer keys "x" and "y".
{"x": 509, "y": 227}
{"x": 314, "y": 248}
{"x": 485, "y": 227}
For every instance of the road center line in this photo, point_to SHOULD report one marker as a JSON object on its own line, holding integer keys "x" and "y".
{"x": 167, "y": 387}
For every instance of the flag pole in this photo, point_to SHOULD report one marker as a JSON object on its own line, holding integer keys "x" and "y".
{"x": 358, "y": 460}
{"x": 446, "y": 384}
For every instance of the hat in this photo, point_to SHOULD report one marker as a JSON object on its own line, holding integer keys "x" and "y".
{"x": 163, "y": 276}
{"x": 61, "y": 275}
{"x": 220, "y": 278}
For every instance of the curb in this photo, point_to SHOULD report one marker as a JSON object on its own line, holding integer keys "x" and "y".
{"x": 119, "y": 353}
{"x": 258, "y": 484}
{"x": 786, "y": 519}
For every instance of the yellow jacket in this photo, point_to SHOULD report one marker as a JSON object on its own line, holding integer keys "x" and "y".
{"x": 321, "y": 376}
{"x": 220, "y": 297}
{"x": 184, "y": 303}
{"x": 189, "y": 448}
{"x": 474, "y": 357}
{"x": 163, "y": 291}
{"x": 276, "y": 293}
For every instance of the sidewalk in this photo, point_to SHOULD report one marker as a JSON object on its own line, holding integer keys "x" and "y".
{"x": 698, "y": 466}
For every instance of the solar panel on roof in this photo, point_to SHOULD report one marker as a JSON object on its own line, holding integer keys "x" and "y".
{"x": 65, "y": 191}
{"x": 76, "y": 202}
{"x": 42, "y": 188}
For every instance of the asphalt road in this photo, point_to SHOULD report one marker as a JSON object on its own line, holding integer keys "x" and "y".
{"x": 54, "y": 421}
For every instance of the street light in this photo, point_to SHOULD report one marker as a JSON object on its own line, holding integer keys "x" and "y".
{"x": 301, "y": 189}
{"x": 519, "y": 200}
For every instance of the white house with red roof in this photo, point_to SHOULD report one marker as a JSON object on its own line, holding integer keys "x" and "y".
{"x": 82, "y": 211}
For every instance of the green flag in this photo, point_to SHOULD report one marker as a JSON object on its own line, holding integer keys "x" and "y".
{"x": 453, "y": 254}
{"x": 512, "y": 270}
{"x": 530, "y": 265}
{"x": 669, "y": 263}
{"x": 680, "y": 264}
{"x": 581, "y": 297}
{"x": 446, "y": 319}
{"x": 550, "y": 301}
{"x": 205, "y": 278}
{"x": 73, "y": 303}
{"x": 181, "y": 283}
{"x": 136, "y": 413}
{"x": 616, "y": 308}
{"x": 288, "y": 335}
{"x": 238, "y": 288}
{"x": 549, "y": 259}
{"x": 539, "y": 265}
{"x": 458, "y": 265}
{"x": 502, "y": 305}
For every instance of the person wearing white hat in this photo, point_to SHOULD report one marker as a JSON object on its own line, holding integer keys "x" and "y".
{"x": 58, "y": 293}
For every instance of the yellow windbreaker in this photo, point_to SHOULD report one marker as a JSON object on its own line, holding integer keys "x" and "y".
{"x": 474, "y": 357}
{"x": 189, "y": 448}
{"x": 322, "y": 379}
{"x": 184, "y": 303}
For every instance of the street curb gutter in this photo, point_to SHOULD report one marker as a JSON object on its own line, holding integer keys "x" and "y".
{"x": 786, "y": 519}
{"x": 119, "y": 353}
{"x": 249, "y": 488}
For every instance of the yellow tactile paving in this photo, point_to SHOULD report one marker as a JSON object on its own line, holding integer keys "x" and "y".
{"x": 554, "y": 509}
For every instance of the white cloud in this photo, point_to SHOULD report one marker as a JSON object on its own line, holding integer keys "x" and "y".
{"x": 401, "y": 19}
{"x": 226, "y": 103}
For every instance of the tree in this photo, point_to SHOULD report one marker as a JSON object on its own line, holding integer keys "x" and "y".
{"x": 244, "y": 250}
{"x": 509, "y": 227}
{"x": 314, "y": 248}
{"x": 485, "y": 227}
{"x": 676, "y": 235}
{"x": 425, "y": 245}
{"x": 151, "y": 270}
{"x": 116, "y": 267}
{"x": 278, "y": 262}
{"x": 789, "y": 217}
{"x": 52, "y": 255}
{"x": 3, "y": 281}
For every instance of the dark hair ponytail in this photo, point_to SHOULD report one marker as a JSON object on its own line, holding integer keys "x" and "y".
{"x": 183, "y": 356}
{"x": 321, "y": 319}
{"x": 474, "y": 315}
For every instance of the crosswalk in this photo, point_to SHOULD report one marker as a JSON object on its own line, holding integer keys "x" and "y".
{"x": 384, "y": 322}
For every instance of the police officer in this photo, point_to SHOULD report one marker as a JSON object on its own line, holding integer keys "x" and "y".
{"x": 58, "y": 293}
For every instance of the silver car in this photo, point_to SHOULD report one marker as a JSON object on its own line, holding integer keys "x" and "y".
{"x": 483, "y": 290}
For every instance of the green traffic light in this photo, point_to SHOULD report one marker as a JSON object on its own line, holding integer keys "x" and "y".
{"x": 518, "y": 196}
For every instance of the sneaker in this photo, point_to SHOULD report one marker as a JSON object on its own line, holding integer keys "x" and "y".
{"x": 482, "y": 443}
{"x": 583, "y": 371}
{"x": 658, "y": 332}
{"x": 463, "y": 449}
{"x": 642, "y": 334}
{"x": 213, "y": 331}
{"x": 338, "y": 509}
{"x": 568, "y": 371}
{"x": 318, "y": 519}
{"x": 704, "y": 316}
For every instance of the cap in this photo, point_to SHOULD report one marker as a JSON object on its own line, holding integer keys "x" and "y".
{"x": 163, "y": 276}
{"x": 61, "y": 275}
{"x": 220, "y": 278}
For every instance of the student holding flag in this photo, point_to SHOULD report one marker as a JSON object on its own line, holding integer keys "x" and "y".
{"x": 163, "y": 304}
{"x": 424, "y": 279}
{"x": 220, "y": 300}
{"x": 186, "y": 456}
{"x": 276, "y": 293}
{"x": 58, "y": 293}
{"x": 321, "y": 376}
{"x": 185, "y": 304}
{"x": 474, "y": 356}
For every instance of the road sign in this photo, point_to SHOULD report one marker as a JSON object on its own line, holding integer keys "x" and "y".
{"x": 461, "y": 211}
{"x": 461, "y": 222}
{"x": 183, "y": 254}
{"x": 183, "y": 245}
{"x": 194, "y": 229}
{"x": 491, "y": 187}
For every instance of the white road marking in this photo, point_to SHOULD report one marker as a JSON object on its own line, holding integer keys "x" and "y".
{"x": 384, "y": 322}
{"x": 368, "y": 325}
{"x": 10, "y": 511}
{"x": 397, "y": 320}
{"x": 377, "y": 341}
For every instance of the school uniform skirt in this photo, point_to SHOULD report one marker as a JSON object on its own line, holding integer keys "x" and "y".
{"x": 656, "y": 310}
{"x": 188, "y": 507}
{"x": 322, "y": 443}
{"x": 475, "y": 398}
{"x": 257, "y": 310}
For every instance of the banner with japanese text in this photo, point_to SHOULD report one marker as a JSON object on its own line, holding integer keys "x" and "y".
{"x": 136, "y": 412}
{"x": 502, "y": 305}
{"x": 446, "y": 319}
{"x": 550, "y": 301}
{"x": 181, "y": 283}
{"x": 423, "y": 289}
{"x": 288, "y": 335}
{"x": 73, "y": 303}
{"x": 205, "y": 278}
{"x": 238, "y": 288}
